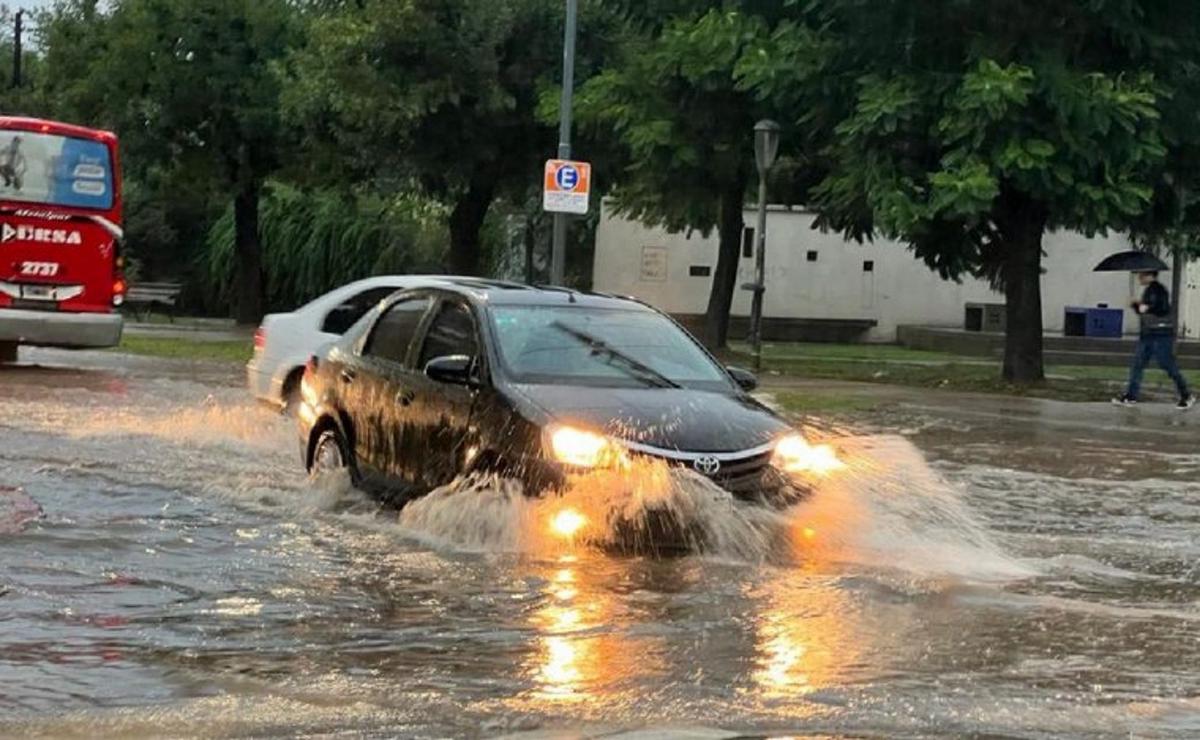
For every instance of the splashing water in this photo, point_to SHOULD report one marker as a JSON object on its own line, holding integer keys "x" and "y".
{"x": 888, "y": 509}
{"x": 882, "y": 507}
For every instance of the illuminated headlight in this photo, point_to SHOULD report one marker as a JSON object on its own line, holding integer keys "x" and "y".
{"x": 581, "y": 448}
{"x": 794, "y": 454}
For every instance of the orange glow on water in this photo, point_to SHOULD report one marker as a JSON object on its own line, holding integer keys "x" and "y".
{"x": 796, "y": 455}
{"x": 567, "y": 523}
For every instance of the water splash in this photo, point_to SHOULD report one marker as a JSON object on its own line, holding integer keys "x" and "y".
{"x": 884, "y": 508}
{"x": 889, "y": 509}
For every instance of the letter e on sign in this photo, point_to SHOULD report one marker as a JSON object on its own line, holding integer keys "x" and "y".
{"x": 567, "y": 187}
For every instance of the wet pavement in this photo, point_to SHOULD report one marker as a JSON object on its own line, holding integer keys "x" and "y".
{"x": 993, "y": 566}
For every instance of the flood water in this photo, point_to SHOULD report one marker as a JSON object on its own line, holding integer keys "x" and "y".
{"x": 975, "y": 568}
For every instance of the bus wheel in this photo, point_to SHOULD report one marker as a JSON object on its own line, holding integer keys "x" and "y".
{"x": 8, "y": 352}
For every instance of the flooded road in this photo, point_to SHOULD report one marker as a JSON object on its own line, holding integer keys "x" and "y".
{"x": 1006, "y": 567}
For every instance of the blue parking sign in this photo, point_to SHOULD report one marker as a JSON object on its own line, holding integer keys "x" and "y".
{"x": 568, "y": 178}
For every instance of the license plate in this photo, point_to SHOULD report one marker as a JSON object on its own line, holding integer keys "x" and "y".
{"x": 37, "y": 292}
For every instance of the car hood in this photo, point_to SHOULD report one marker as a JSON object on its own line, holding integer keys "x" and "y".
{"x": 673, "y": 419}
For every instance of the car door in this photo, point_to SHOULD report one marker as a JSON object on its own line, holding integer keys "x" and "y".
{"x": 442, "y": 412}
{"x": 378, "y": 394}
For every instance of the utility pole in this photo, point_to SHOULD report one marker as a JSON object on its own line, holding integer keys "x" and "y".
{"x": 16, "y": 79}
{"x": 766, "y": 149}
{"x": 558, "y": 253}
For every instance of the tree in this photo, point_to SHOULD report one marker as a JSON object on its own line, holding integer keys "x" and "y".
{"x": 191, "y": 89}
{"x": 968, "y": 129}
{"x": 672, "y": 102}
{"x": 441, "y": 93}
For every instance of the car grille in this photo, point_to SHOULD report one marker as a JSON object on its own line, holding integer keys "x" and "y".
{"x": 743, "y": 474}
{"x": 736, "y": 474}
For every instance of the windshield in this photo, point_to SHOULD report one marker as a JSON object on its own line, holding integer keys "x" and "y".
{"x": 55, "y": 170}
{"x": 572, "y": 345}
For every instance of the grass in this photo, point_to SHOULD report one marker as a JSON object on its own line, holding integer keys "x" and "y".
{"x": 939, "y": 370}
{"x": 186, "y": 349}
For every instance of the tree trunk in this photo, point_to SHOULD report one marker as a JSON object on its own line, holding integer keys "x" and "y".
{"x": 250, "y": 295}
{"x": 720, "y": 298}
{"x": 1021, "y": 223}
{"x": 466, "y": 221}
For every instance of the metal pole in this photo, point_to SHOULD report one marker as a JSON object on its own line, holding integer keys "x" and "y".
{"x": 16, "y": 78}
{"x": 558, "y": 254}
{"x": 760, "y": 274}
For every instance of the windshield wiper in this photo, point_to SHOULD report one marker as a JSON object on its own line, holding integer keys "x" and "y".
{"x": 636, "y": 368}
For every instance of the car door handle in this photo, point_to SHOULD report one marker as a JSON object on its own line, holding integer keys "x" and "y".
{"x": 348, "y": 376}
{"x": 405, "y": 398}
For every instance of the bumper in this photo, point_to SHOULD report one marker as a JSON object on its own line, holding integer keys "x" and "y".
{"x": 59, "y": 329}
{"x": 262, "y": 385}
{"x": 761, "y": 484}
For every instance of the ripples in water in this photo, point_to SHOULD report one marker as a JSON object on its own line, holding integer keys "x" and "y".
{"x": 187, "y": 579}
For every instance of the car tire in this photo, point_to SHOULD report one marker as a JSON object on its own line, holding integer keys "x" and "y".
{"x": 290, "y": 399}
{"x": 8, "y": 352}
{"x": 329, "y": 453}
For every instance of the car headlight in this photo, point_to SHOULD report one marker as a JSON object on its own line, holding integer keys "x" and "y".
{"x": 581, "y": 448}
{"x": 794, "y": 454}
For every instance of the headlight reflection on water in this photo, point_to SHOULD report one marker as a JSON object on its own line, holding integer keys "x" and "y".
{"x": 567, "y": 661}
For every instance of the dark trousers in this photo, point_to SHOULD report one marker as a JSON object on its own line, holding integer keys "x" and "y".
{"x": 1160, "y": 348}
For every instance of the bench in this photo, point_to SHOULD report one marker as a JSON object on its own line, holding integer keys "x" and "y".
{"x": 148, "y": 296}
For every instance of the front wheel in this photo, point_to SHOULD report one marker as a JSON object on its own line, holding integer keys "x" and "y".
{"x": 329, "y": 453}
{"x": 8, "y": 352}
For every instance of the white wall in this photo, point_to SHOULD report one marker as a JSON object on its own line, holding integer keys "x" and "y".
{"x": 1189, "y": 308}
{"x": 654, "y": 266}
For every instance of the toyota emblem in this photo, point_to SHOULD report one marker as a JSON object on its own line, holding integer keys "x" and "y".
{"x": 708, "y": 465}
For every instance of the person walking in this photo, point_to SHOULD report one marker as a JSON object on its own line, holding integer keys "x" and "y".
{"x": 1157, "y": 342}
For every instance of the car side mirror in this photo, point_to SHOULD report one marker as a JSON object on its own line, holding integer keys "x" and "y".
{"x": 745, "y": 379}
{"x": 452, "y": 369}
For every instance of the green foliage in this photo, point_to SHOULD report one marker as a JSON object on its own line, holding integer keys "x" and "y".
{"x": 923, "y": 121}
{"x": 671, "y": 102}
{"x": 442, "y": 94}
{"x": 316, "y": 241}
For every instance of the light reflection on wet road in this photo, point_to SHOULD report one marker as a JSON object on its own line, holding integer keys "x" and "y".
{"x": 996, "y": 569}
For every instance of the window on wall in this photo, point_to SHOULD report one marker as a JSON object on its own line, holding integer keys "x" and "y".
{"x": 869, "y": 266}
{"x": 812, "y": 255}
{"x": 747, "y": 242}
{"x": 700, "y": 271}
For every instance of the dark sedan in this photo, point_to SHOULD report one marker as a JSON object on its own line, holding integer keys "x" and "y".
{"x": 534, "y": 383}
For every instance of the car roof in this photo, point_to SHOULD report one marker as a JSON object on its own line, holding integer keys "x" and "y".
{"x": 507, "y": 293}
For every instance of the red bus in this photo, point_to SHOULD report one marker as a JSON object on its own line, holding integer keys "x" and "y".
{"x": 61, "y": 272}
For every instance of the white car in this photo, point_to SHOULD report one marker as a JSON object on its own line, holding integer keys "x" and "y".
{"x": 285, "y": 341}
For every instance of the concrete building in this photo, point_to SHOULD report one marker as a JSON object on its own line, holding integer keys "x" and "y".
{"x": 815, "y": 275}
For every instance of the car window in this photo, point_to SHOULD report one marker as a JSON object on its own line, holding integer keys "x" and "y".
{"x": 578, "y": 345}
{"x": 451, "y": 333}
{"x": 393, "y": 333}
{"x": 347, "y": 313}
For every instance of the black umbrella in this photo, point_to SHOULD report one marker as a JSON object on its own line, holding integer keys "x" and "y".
{"x": 1132, "y": 262}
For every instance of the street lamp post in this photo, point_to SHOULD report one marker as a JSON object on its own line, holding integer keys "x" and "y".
{"x": 766, "y": 149}
{"x": 558, "y": 252}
